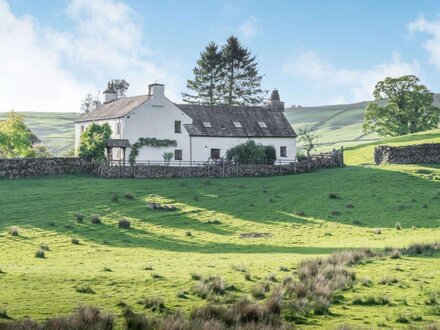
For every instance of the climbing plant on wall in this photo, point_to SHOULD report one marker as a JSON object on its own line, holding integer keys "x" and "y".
{"x": 152, "y": 142}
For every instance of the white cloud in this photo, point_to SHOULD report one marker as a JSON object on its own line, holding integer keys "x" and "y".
{"x": 359, "y": 83}
{"x": 47, "y": 70}
{"x": 432, "y": 45}
{"x": 250, "y": 28}
{"x": 31, "y": 75}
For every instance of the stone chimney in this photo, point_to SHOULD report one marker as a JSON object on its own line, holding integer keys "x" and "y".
{"x": 110, "y": 93}
{"x": 274, "y": 101}
{"x": 157, "y": 94}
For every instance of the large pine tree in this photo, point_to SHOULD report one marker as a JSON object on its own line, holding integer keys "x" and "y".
{"x": 207, "y": 81}
{"x": 242, "y": 83}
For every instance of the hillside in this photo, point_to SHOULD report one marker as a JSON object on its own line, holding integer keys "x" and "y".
{"x": 55, "y": 129}
{"x": 336, "y": 125}
{"x": 164, "y": 252}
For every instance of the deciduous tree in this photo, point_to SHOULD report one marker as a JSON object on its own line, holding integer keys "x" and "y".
{"x": 93, "y": 141}
{"x": 409, "y": 108}
{"x": 15, "y": 137}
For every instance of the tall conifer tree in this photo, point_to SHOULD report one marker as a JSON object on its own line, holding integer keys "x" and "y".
{"x": 242, "y": 83}
{"x": 207, "y": 81}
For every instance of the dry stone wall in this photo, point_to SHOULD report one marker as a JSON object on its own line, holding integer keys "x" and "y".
{"x": 413, "y": 154}
{"x": 22, "y": 167}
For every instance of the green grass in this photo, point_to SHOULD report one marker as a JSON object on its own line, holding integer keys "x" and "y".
{"x": 155, "y": 257}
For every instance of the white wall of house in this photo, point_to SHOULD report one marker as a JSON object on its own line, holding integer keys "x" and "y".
{"x": 201, "y": 146}
{"x": 157, "y": 121}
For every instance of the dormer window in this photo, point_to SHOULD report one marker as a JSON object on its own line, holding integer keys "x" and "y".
{"x": 207, "y": 124}
{"x": 262, "y": 124}
{"x": 237, "y": 124}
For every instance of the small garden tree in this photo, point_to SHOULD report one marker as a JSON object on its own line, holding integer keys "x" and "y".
{"x": 308, "y": 140}
{"x": 92, "y": 142}
{"x": 251, "y": 153}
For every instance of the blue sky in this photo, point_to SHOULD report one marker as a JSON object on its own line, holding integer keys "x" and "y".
{"x": 315, "y": 52}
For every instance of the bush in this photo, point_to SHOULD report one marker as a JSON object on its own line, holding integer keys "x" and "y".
{"x": 129, "y": 196}
{"x": 124, "y": 223}
{"x": 79, "y": 217}
{"x": 114, "y": 197}
{"x": 250, "y": 152}
{"x": 75, "y": 241}
{"x": 92, "y": 142}
{"x": 95, "y": 219}
{"x": 13, "y": 231}
{"x": 40, "y": 254}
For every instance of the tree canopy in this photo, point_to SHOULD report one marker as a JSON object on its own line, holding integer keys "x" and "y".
{"x": 120, "y": 86}
{"x": 207, "y": 82}
{"x": 15, "y": 137}
{"x": 227, "y": 76}
{"x": 409, "y": 108}
{"x": 250, "y": 152}
{"x": 93, "y": 141}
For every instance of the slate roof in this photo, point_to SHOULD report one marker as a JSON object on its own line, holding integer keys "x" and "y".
{"x": 221, "y": 119}
{"x": 115, "y": 109}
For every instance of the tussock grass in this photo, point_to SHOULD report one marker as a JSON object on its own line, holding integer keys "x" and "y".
{"x": 124, "y": 223}
{"x": 13, "y": 231}
{"x": 95, "y": 219}
{"x": 84, "y": 289}
{"x": 40, "y": 254}
{"x": 156, "y": 304}
{"x": 74, "y": 241}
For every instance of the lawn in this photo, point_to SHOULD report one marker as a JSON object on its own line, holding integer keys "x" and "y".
{"x": 158, "y": 254}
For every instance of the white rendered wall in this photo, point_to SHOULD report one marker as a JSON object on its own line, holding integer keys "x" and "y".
{"x": 201, "y": 146}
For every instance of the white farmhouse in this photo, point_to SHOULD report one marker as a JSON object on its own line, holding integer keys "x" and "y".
{"x": 201, "y": 131}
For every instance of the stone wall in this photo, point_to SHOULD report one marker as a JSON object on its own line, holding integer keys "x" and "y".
{"x": 22, "y": 167}
{"x": 413, "y": 154}
{"x": 223, "y": 170}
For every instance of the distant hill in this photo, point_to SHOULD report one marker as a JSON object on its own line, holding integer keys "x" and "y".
{"x": 336, "y": 125}
{"x": 54, "y": 129}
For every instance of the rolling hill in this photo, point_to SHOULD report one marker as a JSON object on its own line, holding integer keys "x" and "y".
{"x": 336, "y": 125}
{"x": 54, "y": 129}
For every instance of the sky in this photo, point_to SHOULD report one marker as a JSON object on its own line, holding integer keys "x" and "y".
{"x": 315, "y": 52}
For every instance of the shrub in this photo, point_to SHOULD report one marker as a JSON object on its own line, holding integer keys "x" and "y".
{"x": 124, "y": 223}
{"x": 13, "y": 231}
{"x": 84, "y": 289}
{"x": 129, "y": 196}
{"x": 114, "y": 197}
{"x": 79, "y": 217}
{"x": 95, "y": 219}
{"x": 40, "y": 254}
{"x": 398, "y": 226}
{"x": 92, "y": 142}
{"x": 134, "y": 321}
{"x": 155, "y": 303}
{"x": 248, "y": 152}
{"x": 75, "y": 241}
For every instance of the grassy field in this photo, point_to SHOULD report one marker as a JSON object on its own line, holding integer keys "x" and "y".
{"x": 157, "y": 256}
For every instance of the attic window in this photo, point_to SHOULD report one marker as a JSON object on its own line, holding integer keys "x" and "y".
{"x": 237, "y": 124}
{"x": 262, "y": 124}
{"x": 207, "y": 124}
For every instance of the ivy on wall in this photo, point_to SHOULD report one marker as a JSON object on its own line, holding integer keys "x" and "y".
{"x": 152, "y": 142}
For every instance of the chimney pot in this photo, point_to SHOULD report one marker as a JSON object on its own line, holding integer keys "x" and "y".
{"x": 274, "y": 101}
{"x": 157, "y": 93}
